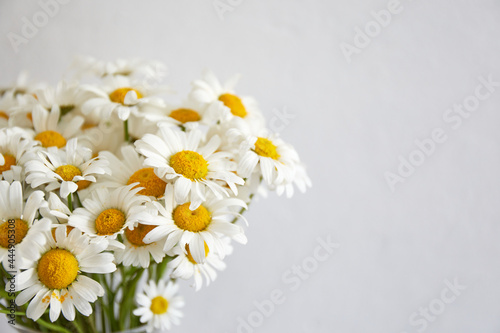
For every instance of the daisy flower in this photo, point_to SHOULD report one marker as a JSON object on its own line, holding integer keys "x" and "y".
{"x": 154, "y": 70}
{"x": 277, "y": 161}
{"x": 66, "y": 95}
{"x": 19, "y": 215}
{"x": 136, "y": 252}
{"x": 190, "y": 114}
{"x": 130, "y": 169}
{"x": 159, "y": 305}
{"x": 209, "y": 90}
{"x": 8, "y": 103}
{"x": 205, "y": 225}
{"x": 177, "y": 156}
{"x": 141, "y": 125}
{"x": 108, "y": 213}
{"x": 55, "y": 210}
{"x": 22, "y": 85}
{"x": 70, "y": 170}
{"x": 102, "y": 135}
{"x": 54, "y": 275}
{"x": 49, "y": 131}
{"x": 14, "y": 143}
{"x": 122, "y": 96}
{"x": 184, "y": 266}
{"x": 301, "y": 180}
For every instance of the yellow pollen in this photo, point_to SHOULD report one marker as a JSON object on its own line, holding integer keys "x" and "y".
{"x": 234, "y": 103}
{"x": 109, "y": 222}
{"x": 51, "y": 139}
{"x": 19, "y": 229}
{"x": 185, "y": 115}
{"x": 68, "y": 172}
{"x": 159, "y": 305}
{"x": 4, "y": 115}
{"x": 153, "y": 186}
{"x": 57, "y": 268}
{"x": 118, "y": 96}
{"x": 9, "y": 162}
{"x": 190, "y": 164}
{"x": 136, "y": 236}
{"x": 265, "y": 147}
{"x": 191, "y": 220}
{"x": 190, "y": 257}
{"x": 29, "y": 116}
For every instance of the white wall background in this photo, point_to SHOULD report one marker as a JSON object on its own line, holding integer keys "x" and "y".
{"x": 351, "y": 123}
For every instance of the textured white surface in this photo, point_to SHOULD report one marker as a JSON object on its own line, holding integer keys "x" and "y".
{"x": 351, "y": 123}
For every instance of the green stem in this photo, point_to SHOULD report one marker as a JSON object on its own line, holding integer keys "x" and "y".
{"x": 125, "y": 126}
{"x": 77, "y": 198}
{"x": 52, "y": 327}
{"x": 128, "y": 297}
{"x": 14, "y": 313}
{"x": 77, "y": 326}
{"x": 70, "y": 202}
{"x": 160, "y": 268}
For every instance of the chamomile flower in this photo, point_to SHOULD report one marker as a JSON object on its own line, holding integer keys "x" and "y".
{"x": 209, "y": 90}
{"x": 159, "y": 305}
{"x": 153, "y": 70}
{"x": 55, "y": 209}
{"x": 184, "y": 266}
{"x": 122, "y": 96}
{"x": 14, "y": 143}
{"x": 70, "y": 170}
{"x": 19, "y": 215}
{"x": 54, "y": 275}
{"x": 207, "y": 224}
{"x": 102, "y": 135}
{"x": 8, "y": 103}
{"x": 130, "y": 169}
{"x": 178, "y": 156}
{"x": 108, "y": 213}
{"x": 136, "y": 252}
{"x": 49, "y": 131}
{"x": 191, "y": 114}
{"x": 66, "y": 95}
{"x": 301, "y": 180}
{"x": 275, "y": 159}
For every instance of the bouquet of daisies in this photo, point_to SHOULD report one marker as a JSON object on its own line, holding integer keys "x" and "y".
{"x": 109, "y": 194}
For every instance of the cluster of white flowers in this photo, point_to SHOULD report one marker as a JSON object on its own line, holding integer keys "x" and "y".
{"x": 102, "y": 173}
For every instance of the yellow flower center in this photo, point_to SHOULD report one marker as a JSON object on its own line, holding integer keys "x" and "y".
{"x": 265, "y": 147}
{"x": 57, "y": 268}
{"x": 109, "y": 222}
{"x": 4, "y": 115}
{"x": 83, "y": 184}
{"x": 191, "y": 220}
{"x": 190, "y": 164}
{"x": 234, "y": 103}
{"x": 118, "y": 96}
{"x": 68, "y": 172}
{"x": 159, "y": 305}
{"x": 190, "y": 257}
{"x": 153, "y": 186}
{"x": 185, "y": 115}
{"x": 51, "y": 139}
{"x": 19, "y": 229}
{"x": 9, "y": 162}
{"x": 136, "y": 236}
